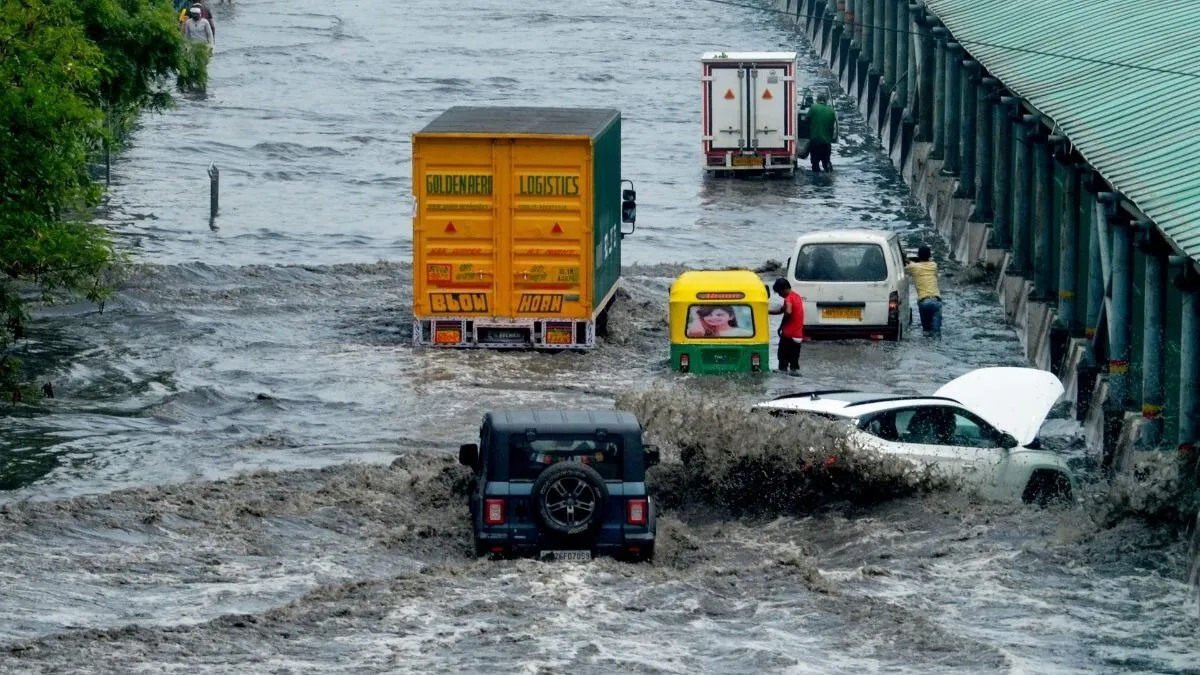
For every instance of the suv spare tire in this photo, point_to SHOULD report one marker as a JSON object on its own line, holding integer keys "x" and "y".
{"x": 571, "y": 498}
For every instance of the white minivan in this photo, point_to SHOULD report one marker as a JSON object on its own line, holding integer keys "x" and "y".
{"x": 853, "y": 283}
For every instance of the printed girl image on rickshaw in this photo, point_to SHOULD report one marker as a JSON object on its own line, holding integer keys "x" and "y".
{"x": 720, "y": 321}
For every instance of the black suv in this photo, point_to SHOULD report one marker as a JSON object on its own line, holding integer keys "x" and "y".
{"x": 561, "y": 485}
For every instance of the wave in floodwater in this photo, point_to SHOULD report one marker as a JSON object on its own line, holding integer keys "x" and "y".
{"x": 769, "y": 559}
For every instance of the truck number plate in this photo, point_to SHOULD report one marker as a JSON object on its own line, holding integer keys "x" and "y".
{"x": 747, "y": 161}
{"x": 506, "y": 335}
{"x": 567, "y": 556}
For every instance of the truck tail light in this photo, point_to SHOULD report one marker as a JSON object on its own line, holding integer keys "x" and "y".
{"x": 636, "y": 511}
{"x": 684, "y": 362}
{"x": 493, "y": 512}
{"x": 756, "y": 362}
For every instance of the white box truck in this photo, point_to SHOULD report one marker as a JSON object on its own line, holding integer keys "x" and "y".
{"x": 750, "y": 112}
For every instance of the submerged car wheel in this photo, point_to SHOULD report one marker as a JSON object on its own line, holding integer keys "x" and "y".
{"x": 1047, "y": 487}
{"x": 571, "y": 498}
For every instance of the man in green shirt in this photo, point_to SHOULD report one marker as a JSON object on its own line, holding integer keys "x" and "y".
{"x": 822, "y": 133}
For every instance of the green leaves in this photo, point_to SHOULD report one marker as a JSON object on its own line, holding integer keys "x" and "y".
{"x": 74, "y": 74}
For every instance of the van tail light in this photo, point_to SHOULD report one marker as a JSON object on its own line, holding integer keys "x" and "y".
{"x": 893, "y": 302}
{"x": 636, "y": 512}
{"x": 493, "y": 512}
{"x": 756, "y": 362}
{"x": 684, "y": 363}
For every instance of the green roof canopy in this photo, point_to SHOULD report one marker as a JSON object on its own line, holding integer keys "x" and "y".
{"x": 1121, "y": 78}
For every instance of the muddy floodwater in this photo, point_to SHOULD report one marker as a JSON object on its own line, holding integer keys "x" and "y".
{"x": 248, "y": 468}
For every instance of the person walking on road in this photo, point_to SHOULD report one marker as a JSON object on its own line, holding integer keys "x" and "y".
{"x": 791, "y": 329}
{"x": 197, "y": 30}
{"x": 822, "y": 134}
{"x": 924, "y": 273}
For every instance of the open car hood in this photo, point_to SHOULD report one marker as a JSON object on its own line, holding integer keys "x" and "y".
{"x": 1015, "y": 400}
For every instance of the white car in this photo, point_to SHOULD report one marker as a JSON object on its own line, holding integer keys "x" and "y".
{"x": 853, "y": 283}
{"x": 982, "y": 427}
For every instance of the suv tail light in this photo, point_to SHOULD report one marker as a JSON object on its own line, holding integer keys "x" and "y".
{"x": 493, "y": 512}
{"x": 684, "y": 362}
{"x": 636, "y": 511}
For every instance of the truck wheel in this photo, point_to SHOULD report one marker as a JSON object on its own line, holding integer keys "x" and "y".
{"x": 571, "y": 498}
{"x": 602, "y": 322}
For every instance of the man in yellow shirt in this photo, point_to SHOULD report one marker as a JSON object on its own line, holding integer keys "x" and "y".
{"x": 929, "y": 299}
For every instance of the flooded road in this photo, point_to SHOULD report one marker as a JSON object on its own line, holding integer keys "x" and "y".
{"x": 278, "y": 343}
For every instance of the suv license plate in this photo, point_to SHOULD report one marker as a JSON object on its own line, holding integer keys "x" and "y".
{"x": 567, "y": 556}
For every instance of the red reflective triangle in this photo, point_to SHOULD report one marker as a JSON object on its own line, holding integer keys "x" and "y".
{"x": 729, "y": 93}
{"x": 450, "y": 227}
{"x": 767, "y": 94}
{"x": 557, "y": 229}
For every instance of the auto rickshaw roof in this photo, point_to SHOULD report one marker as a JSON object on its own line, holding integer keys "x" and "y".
{"x": 690, "y": 284}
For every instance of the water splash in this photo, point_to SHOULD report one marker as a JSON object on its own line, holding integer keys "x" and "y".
{"x": 756, "y": 464}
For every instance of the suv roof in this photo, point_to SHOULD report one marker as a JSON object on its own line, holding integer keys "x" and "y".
{"x": 564, "y": 421}
{"x": 852, "y": 235}
{"x": 848, "y": 402}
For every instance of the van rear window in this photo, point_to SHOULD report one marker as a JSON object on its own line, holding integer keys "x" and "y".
{"x": 720, "y": 321}
{"x": 841, "y": 262}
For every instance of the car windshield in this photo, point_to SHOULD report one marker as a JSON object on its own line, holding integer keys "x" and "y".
{"x": 529, "y": 458}
{"x": 841, "y": 262}
{"x": 720, "y": 321}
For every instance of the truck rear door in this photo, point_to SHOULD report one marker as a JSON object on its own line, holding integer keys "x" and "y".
{"x": 770, "y": 95}
{"x": 728, "y": 106}
{"x": 550, "y": 196}
{"x": 456, "y": 236}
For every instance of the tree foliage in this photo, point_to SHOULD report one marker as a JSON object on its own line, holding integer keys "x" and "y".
{"x": 73, "y": 75}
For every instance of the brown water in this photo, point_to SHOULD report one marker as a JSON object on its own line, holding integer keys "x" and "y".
{"x": 279, "y": 343}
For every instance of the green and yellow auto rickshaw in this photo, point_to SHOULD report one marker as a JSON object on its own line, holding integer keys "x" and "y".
{"x": 719, "y": 322}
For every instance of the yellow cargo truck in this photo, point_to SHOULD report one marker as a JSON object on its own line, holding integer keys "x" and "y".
{"x": 517, "y": 226}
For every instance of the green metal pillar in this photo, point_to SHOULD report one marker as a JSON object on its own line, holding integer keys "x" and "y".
{"x": 1068, "y": 243}
{"x": 1154, "y": 334}
{"x": 925, "y": 72}
{"x": 1022, "y": 196}
{"x": 967, "y": 124}
{"x": 984, "y": 144}
{"x": 905, "y": 75}
{"x": 1189, "y": 358}
{"x": 939, "y": 93}
{"x": 1043, "y": 200}
{"x": 853, "y": 55}
{"x": 866, "y": 67}
{"x": 1096, "y": 282}
{"x": 1119, "y": 331}
{"x": 1003, "y": 193}
{"x": 953, "y": 80}
{"x": 889, "y": 44}
{"x": 878, "y": 27}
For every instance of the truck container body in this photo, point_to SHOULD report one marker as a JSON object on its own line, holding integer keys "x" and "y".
{"x": 749, "y": 112}
{"x": 517, "y": 226}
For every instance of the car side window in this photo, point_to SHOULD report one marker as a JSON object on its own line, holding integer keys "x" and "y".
{"x": 972, "y": 432}
{"x": 939, "y": 425}
{"x": 929, "y": 425}
{"x": 882, "y": 426}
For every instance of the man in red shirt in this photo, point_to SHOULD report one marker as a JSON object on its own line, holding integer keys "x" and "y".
{"x": 791, "y": 329}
